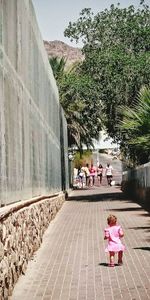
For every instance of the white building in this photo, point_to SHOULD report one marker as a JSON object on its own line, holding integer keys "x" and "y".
{"x": 104, "y": 142}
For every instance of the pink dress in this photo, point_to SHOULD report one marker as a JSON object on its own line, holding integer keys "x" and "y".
{"x": 113, "y": 234}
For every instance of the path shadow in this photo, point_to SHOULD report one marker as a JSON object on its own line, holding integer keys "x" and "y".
{"x": 135, "y": 209}
{"x": 126, "y": 209}
{"x": 147, "y": 214}
{"x": 147, "y": 228}
{"x": 142, "y": 248}
{"x": 97, "y": 197}
{"x": 108, "y": 196}
{"x": 106, "y": 265}
{"x": 103, "y": 264}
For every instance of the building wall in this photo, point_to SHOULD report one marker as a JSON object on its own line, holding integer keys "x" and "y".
{"x": 30, "y": 150}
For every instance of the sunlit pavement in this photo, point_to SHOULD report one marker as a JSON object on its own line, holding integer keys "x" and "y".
{"x": 71, "y": 264}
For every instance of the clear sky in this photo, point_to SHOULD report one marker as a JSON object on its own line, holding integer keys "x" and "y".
{"x": 53, "y": 16}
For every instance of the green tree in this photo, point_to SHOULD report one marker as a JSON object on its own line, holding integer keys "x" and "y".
{"x": 78, "y": 97}
{"x": 117, "y": 56}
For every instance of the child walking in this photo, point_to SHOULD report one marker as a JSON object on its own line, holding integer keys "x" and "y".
{"x": 113, "y": 233}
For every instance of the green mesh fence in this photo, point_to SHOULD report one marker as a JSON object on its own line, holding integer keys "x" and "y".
{"x": 33, "y": 130}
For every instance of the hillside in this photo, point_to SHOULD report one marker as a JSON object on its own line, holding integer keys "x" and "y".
{"x": 60, "y": 49}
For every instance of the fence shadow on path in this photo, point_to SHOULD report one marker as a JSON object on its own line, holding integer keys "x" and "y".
{"x": 97, "y": 197}
{"x": 139, "y": 208}
{"x": 142, "y": 248}
{"x": 126, "y": 209}
{"x": 147, "y": 228}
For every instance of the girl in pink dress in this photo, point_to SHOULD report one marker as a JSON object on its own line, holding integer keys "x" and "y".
{"x": 113, "y": 233}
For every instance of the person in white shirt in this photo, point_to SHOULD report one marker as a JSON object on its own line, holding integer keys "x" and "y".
{"x": 109, "y": 173}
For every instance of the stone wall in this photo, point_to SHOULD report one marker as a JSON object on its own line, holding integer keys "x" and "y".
{"x": 136, "y": 183}
{"x": 21, "y": 231}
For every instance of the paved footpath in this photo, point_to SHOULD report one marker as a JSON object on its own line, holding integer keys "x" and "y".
{"x": 71, "y": 263}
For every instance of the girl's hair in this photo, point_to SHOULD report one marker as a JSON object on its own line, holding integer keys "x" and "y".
{"x": 112, "y": 220}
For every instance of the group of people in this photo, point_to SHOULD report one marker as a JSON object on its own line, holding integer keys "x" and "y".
{"x": 90, "y": 173}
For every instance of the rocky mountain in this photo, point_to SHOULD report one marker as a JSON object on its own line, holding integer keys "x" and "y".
{"x": 61, "y": 49}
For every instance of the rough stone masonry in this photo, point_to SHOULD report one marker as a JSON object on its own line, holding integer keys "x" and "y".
{"x": 21, "y": 232}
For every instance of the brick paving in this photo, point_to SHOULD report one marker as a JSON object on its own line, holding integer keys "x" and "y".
{"x": 71, "y": 263}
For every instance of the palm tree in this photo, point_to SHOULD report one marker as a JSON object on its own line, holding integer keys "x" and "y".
{"x": 135, "y": 128}
{"x": 58, "y": 66}
{"x": 72, "y": 107}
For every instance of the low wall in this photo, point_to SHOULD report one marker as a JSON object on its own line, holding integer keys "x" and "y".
{"x": 136, "y": 183}
{"x": 21, "y": 230}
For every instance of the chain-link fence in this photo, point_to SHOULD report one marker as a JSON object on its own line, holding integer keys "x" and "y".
{"x": 33, "y": 131}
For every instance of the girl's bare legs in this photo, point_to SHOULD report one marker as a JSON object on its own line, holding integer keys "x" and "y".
{"x": 81, "y": 182}
{"x": 91, "y": 181}
{"x": 120, "y": 254}
{"x": 87, "y": 180}
{"x": 101, "y": 179}
{"x": 108, "y": 180}
{"x": 112, "y": 254}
